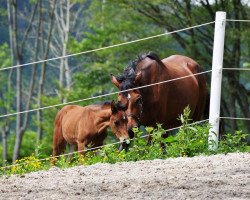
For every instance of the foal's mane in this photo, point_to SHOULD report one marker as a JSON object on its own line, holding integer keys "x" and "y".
{"x": 106, "y": 104}
{"x": 127, "y": 78}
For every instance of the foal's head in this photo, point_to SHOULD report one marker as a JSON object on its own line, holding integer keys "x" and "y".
{"x": 118, "y": 124}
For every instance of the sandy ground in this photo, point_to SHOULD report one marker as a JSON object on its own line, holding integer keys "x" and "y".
{"x": 213, "y": 177}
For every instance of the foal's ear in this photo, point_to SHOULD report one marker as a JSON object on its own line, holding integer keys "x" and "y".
{"x": 115, "y": 81}
{"x": 114, "y": 108}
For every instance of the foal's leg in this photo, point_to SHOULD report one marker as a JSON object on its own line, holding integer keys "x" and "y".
{"x": 81, "y": 148}
{"x": 59, "y": 145}
{"x": 98, "y": 144}
{"x": 72, "y": 148}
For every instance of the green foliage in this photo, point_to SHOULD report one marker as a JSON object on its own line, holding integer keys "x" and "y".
{"x": 25, "y": 165}
{"x": 33, "y": 2}
{"x": 233, "y": 143}
{"x": 5, "y": 92}
{"x": 28, "y": 147}
{"x": 190, "y": 140}
{"x": 5, "y": 60}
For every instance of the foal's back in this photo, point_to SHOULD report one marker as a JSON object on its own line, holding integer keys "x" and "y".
{"x": 79, "y": 122}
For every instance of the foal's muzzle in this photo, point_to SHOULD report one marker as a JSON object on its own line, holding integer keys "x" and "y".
{"x": 123, "y": 145}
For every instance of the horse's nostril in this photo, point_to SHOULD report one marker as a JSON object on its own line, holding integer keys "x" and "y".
{"x": 131, "y": 133}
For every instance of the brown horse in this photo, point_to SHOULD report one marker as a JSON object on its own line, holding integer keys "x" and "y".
{"x": 161, "y": 103}
{"x": 80, "y": 126}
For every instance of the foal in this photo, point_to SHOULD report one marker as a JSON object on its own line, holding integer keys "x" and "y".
{"x": 80, "y": 126}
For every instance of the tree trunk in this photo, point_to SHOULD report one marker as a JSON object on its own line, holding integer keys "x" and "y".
{"x": 4, "y": 143}
{"x": 21, "y": 125}
{"x": 43, "y": 70}
{"x": 63, "y": 19}
{"x": 5, "y": 131}
{"x": 67, "y": 69}
{"x": 17, "y": 61}
{"x": 33, "y": 72}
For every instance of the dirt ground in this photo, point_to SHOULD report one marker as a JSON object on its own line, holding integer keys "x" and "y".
{"x": 212, "y": 177}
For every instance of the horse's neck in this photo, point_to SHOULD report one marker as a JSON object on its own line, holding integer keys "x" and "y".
{"x": 152, "y": 71}
{"x": 103, "y": 119}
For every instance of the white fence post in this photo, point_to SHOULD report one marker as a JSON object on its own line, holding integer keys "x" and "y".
{"x": 215, "y": 93}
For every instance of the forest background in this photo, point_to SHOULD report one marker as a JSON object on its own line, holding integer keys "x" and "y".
{"x": 34, "y": 30}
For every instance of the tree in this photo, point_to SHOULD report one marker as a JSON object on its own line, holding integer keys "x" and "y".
{"x": 5, "y": 98}
{"x": 45, "y": 52}
{"x": 18, "y": 42}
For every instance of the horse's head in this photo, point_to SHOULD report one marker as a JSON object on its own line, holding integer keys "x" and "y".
{"x": 118, "y": 124}
{"x": 131, "y": 101}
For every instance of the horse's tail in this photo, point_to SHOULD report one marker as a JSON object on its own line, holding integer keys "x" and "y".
{"x": 59, "y": 143}
{"x": 207, "y": 105}
{"x": 203, "y": 101}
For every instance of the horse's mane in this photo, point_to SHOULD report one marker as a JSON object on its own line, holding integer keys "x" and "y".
{"x": 127, "y": 78}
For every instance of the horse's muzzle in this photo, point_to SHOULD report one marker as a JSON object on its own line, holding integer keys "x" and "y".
{"x": 131, "y": 132}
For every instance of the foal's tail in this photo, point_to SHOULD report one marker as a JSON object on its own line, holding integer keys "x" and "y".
{"x": 59, "y": 143}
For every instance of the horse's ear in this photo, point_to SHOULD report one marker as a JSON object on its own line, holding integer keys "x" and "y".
{"x": 115, "y": 81}
{"x": 137, "y": 77}
{"x": 114, "y": 108}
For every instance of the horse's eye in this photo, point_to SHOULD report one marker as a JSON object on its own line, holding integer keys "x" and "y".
{"x": 116, "y": 122}
{"x": 139, "y": 101}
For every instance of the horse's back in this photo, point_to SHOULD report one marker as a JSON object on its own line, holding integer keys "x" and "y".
{"x": 178, "y": 66}
{"x": 182, "y": 66}
{"x": 179, "y": 59}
